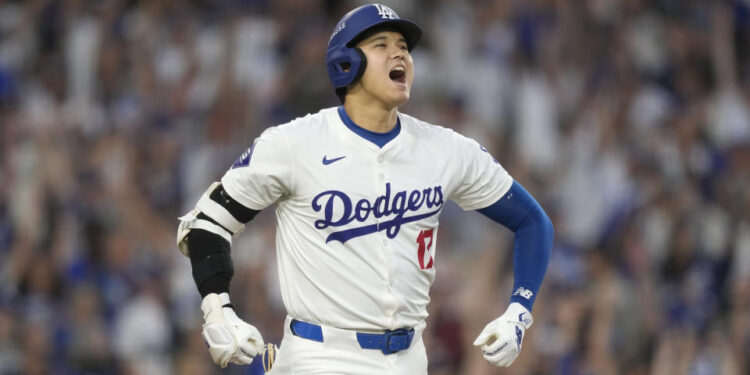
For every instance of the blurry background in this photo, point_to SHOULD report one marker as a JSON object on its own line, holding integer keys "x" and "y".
{"x": 628, "y": 119}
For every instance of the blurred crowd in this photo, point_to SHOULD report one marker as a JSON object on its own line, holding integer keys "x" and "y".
{"x": 628, "y": 119}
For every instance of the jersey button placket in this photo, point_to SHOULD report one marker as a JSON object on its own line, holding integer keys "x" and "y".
{"x": 381, "y": 170}
{"x": 380, "y": 173}
{"x": 389, "y": 300}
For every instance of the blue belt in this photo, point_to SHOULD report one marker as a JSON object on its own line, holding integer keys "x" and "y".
{"x": 388, "y": 342}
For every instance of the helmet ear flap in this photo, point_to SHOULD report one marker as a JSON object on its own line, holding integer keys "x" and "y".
{"x": 345, "y": 66}
{"x": 362, "y": 65}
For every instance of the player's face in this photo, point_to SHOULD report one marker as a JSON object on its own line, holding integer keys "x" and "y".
{"x": 390, "y": 69}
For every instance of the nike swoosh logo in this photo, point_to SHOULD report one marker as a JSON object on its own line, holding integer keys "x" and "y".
{"x": 329, "y": 161}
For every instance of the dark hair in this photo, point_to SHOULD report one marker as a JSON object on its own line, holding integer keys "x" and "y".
{"x": 341, "y": 93}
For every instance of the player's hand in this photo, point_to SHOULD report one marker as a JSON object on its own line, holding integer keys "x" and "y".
{"x": 229, "y": 339}
{"x": 502, "y": 338}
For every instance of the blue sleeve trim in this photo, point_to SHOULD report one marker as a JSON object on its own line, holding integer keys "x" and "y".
{"x": 519, "y": 211}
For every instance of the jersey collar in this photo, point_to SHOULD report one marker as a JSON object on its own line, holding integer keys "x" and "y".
{"x": 379, "y": 139}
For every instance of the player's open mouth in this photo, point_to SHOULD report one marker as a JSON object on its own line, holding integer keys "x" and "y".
{"x": 398, "y": 74}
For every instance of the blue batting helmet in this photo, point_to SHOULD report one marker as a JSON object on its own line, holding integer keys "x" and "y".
{"x": 344, "y": 61}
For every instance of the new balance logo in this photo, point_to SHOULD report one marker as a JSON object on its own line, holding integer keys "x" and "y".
{"x": 329, "y": 161}
{"x": 385, "y": 12}
{"x": 523, "y": 292}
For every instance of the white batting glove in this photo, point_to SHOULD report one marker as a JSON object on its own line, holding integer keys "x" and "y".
{"x": 229, "y": 339}
{"x": 502, "y": 338}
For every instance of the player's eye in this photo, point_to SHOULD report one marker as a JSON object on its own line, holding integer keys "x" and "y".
{"x": 380, "y": 45}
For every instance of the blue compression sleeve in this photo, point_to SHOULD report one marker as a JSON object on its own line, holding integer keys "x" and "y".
{"x": 519, "y": 211}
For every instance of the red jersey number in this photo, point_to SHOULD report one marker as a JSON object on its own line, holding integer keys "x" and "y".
{"x": 424, "y": 240}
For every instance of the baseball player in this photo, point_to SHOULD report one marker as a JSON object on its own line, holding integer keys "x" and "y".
{"x": 358, "y": 191}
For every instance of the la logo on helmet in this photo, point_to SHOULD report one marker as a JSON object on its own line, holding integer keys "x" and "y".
{"x": 385, "y": 12}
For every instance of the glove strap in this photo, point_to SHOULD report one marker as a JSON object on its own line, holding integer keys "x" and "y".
{"x": 519, "y": 313}
{"x": 224, "y": 298}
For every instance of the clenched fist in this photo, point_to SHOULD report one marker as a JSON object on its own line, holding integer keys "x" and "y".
{"x": 229, "y": 338}
{"x": 502, "y": 338}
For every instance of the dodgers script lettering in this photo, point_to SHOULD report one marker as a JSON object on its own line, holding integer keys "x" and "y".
{"x": 395, "y": 208}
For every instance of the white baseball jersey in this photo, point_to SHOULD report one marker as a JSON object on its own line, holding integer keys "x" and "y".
{"x": 357, "y": 224}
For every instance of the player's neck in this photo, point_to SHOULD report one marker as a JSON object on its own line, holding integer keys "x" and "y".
{"x": 371, "y": 117}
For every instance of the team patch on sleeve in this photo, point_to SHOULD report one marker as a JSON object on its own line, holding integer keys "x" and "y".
{"x": 244, "y": 159}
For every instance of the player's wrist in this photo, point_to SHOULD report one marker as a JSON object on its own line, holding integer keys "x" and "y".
{"x": 220, "y": 309}
{"x": 224, "y": 298}
{"x": 519, "y": 314}
{"x": 225, "y": 302}
{"x": 216, "y": 303}
{"x": 527, "y": 304}
{"x": 524, "y": 296}
{"x": 217, "y": 284}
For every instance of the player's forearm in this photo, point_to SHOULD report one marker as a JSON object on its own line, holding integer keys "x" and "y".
{"x": 518, "y": 211}
{"x": 531, "y": 251}
{"x": 211, "y": 262}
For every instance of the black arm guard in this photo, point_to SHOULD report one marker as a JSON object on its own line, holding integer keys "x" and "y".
{"x": 209, "y": 252}
{"x": 211, "y": 262}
